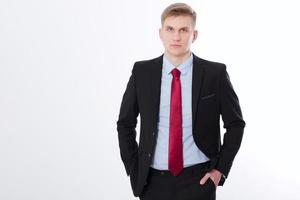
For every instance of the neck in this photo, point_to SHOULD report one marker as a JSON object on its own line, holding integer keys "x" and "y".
{"x": 177, "y": 60}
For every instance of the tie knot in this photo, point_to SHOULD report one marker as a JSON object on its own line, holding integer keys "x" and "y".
{"x": 176, "y": 73}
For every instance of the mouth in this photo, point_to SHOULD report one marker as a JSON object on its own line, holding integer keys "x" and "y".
{"x": 175, "y": 45}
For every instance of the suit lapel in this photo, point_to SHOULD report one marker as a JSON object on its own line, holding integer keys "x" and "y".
{"x": 198, "y": 73}
{"x": 156, "y": 85}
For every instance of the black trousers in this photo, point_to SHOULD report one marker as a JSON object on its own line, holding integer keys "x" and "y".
{"x": 162, "y": 185}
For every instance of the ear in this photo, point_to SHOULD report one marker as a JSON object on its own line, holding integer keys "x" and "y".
{"x": 160, "y": 33}
{"x": 195, "y": 35}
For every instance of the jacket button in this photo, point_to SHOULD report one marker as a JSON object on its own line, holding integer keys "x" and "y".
{"x": 149, "y": 155}
{"x": 153, "y": 133}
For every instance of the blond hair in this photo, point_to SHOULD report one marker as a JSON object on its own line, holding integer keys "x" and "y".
{"x": 178, "y": 9}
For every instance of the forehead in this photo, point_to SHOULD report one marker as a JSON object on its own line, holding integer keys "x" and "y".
{"x": 179, "y": 21}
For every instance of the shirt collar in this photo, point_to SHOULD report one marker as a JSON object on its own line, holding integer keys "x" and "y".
{"x": 183, "y": 68}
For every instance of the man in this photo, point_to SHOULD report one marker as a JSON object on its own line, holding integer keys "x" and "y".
{"x": 180, "y": 98}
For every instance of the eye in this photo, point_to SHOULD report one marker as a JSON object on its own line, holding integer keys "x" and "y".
{"x": 184, "y": 30}
{"x": 169, "y": 29}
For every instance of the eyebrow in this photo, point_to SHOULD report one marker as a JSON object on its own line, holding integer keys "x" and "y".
{"x": 185, "y": 27}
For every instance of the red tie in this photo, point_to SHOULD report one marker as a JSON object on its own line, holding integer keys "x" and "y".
{"x": 175, "y": 135}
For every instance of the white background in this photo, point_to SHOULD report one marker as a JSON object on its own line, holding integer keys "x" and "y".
{"x": 64, "y": 66}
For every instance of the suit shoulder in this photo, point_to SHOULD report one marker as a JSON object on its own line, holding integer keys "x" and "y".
{"x": 213, "y": 65}
{"x": 147, "y": 61}
{"x": 144, "y": 62}
{"x": 143, "y": 65}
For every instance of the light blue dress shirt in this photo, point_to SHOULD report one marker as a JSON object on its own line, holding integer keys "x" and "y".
{"x": 191, "y": 153}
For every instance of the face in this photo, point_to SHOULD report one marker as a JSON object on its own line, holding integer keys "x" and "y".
{"x": 177, "y": 34}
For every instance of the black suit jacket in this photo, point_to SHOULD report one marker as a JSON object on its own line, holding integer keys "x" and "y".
{"x": 212, "y": 96}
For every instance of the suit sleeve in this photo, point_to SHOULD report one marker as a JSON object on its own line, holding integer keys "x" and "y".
{"x": 233, "y": 123}
{"x": 126, "y": 125}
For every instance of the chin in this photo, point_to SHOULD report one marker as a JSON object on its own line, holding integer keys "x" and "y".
{"x": 176, "y": 52}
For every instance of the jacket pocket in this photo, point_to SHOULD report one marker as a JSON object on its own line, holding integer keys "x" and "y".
{"x": 208, "y": 96}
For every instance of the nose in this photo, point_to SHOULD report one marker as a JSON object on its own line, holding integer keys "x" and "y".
{"x": 176, "y": 36}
